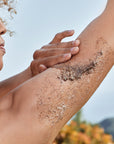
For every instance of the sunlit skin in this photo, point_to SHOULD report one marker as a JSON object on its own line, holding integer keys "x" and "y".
{"x": 36, "y": 110}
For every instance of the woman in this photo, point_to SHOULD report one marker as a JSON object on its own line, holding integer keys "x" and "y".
{"x": 36, "y": 110}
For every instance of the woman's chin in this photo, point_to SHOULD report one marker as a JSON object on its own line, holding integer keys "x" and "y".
{"x": 1, "y": 64}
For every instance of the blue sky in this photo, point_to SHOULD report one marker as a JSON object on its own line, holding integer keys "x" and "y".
{"x": 35, "y": 25}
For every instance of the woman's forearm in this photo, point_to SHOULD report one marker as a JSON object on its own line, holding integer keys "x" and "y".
{"x": 11, "y": 83}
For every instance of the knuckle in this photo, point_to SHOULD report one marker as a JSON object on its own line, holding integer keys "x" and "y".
{"x": 63, "y": 34}
{"x": 43, "y": 47}
{"x": 57, "y": 35}
{"x": 32, "y": 65}
{"x": 36, "y": 54}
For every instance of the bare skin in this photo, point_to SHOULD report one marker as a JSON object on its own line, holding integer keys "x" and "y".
{"x": 37, "y": 110}
{"x": 54, "y": 53}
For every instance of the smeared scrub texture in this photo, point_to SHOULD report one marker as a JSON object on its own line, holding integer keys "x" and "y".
{"x": 75, "y": 72}
{"x": 52, "y": 113}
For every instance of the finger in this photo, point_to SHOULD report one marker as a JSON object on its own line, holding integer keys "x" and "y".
{"x": 58, "y": 37}
{"x": 55, "y": 52}
{"x": 42, "y": 68}
{"x": 63, "y": 45}
{"x": 50, "y": 61}
{"x": 37, "y": 67}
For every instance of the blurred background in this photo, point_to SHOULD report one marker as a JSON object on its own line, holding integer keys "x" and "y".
{"x": 36, "y": 23}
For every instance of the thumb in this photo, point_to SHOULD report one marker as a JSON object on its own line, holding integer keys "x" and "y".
{"x": 42, "y": 68}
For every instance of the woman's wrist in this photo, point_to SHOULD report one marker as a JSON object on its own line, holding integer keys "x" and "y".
{"x": 28, "y": 73}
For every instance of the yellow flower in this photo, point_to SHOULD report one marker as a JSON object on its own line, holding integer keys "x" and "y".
{"x": 74, "y": 136}
{"x": 106, "y": 138}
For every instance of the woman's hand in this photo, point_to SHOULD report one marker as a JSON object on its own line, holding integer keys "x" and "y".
{"x": 54, "y": 53}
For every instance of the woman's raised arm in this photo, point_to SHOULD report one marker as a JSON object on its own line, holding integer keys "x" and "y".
{"x": 40, "y": 107}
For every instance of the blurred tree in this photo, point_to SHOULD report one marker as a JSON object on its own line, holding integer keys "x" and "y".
{"x": 82, "y": 132}
{"x": 90, "y": 134}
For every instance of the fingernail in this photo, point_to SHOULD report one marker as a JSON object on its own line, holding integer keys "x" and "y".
{"x": 71, "y": 31}
{"x": 77, "y": 41}
{"x": 74, "y": 50}
{"x": 67, "y": 55}
{"x": 42, "y": 66}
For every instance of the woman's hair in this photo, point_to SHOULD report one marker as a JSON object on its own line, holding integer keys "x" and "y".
{"x": 9, "y": 6}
